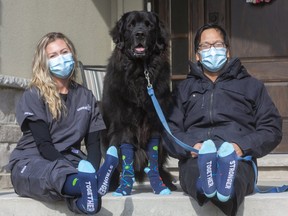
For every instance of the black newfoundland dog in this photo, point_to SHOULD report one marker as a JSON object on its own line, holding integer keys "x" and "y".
{"x": 141, "y": 54}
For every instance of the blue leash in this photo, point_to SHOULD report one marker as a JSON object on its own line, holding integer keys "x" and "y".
{"x": 189, "y": 148}
{"x": 164, "y": 122}
{"x": 279, "y": 189}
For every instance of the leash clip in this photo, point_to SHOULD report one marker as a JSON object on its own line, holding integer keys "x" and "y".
{"x": 146, "y": 72}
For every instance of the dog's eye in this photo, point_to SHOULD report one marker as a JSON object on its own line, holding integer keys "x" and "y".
{"x": 131, "y": 24}
{"x": 148, "y": 24}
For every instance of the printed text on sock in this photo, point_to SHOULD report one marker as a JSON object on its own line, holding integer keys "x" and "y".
{"x": 230, "y": 174}
{"x": 103, "y": 189}
{"x": 90, "y": 201}
{"x": 209, "y": 174}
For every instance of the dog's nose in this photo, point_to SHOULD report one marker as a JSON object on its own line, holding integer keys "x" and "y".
{"x": 140, "y": 35}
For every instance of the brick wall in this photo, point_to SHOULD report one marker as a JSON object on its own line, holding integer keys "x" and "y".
{"x": 11, "y": 89}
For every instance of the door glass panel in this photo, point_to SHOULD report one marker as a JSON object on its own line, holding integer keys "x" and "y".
{"x": 179, "y": 36}
{"x": 179, "y": 16}
{"x": 180, "y": 56}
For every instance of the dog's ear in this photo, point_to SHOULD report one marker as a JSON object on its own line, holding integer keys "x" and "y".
{"x": 162, "y": 35}
{"x": 118, "y": 31}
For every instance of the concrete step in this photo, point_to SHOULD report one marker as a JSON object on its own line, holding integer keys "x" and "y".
{"x": 143, "y": 202}
{"x": 273, "y": 171}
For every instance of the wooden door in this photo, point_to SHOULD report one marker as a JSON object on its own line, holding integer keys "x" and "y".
{"x": 258, "y": 35}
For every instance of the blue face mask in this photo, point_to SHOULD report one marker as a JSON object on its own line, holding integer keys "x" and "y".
{"x": 213, "y": 59}
{"x": 61, "y": 66}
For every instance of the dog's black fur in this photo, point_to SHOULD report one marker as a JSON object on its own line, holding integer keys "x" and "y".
{"x": 141, "y": 41}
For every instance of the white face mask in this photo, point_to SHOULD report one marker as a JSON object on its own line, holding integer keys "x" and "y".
{"x": 213, "y": 59}
{"x": 62, "y": 65}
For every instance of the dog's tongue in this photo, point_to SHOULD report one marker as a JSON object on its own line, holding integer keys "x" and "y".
{"x": 139, "y": 49}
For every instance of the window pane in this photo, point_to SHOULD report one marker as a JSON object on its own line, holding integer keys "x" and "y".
{"x": 179, "y": 16}
{"x": 180, "y": 56}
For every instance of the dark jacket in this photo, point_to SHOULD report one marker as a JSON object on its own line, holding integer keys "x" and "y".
{"x": 236, "y": 108}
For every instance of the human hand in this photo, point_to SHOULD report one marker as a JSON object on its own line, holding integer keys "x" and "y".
{"x": 196, "y": 146}
{"x": 237, "y": 149}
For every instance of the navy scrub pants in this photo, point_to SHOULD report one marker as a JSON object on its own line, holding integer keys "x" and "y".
{"x": 43, "y": 180}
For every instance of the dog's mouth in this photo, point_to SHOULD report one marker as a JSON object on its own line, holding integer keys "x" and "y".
{"x": 139, "y": 50}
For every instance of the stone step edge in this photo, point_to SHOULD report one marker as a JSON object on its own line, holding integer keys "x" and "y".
{"x": 144, "y": 203}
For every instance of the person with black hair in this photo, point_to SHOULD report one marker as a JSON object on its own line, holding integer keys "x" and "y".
{"x": 226, "y": 114}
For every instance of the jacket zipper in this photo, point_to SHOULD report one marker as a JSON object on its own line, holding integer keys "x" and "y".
{"x": 210, "y": 111}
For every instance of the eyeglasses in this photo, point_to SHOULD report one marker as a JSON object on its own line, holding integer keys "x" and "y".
{"x": 207, "y": 46}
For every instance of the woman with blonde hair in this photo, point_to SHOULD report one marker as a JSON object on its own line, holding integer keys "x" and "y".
{"x": 55, "y": 114}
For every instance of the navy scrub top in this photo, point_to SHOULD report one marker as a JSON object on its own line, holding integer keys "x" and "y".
{"x": 82, "y": 117}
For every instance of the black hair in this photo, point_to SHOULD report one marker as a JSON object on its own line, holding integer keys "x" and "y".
{"x": 210, "y": 26}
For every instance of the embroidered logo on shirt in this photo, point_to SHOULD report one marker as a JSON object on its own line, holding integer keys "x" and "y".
{"x": 28, "y": 113}
{"x": 23, "y": 169}
{"x": 88, "y": 108}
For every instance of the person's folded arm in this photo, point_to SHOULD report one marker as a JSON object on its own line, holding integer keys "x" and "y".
{"x": 42, "y": 137}
{"x": 268, "y": 128}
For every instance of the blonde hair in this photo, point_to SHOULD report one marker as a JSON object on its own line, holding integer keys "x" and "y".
{"x": 41, "y": 76}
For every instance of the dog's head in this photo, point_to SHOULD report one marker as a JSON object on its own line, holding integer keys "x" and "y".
{"x": 139, "y": 34}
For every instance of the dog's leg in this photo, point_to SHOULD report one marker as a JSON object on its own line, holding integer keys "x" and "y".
{"x": 127, "y": 177}
{"x": 152, "y": 170}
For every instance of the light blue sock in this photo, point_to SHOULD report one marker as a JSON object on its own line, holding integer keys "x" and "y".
{"x": 156, "y": 182}
{"x": 207, "y": 147}
{"x": 88, "y": 202}
{"x": 152, "y": 170}
{"x": 227, "y": 167}
{"x": 71, "y": 186}
{"x": 106, "y": 170}
{"x": 127, "y": 176}
{"x": 207, "y": 165}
